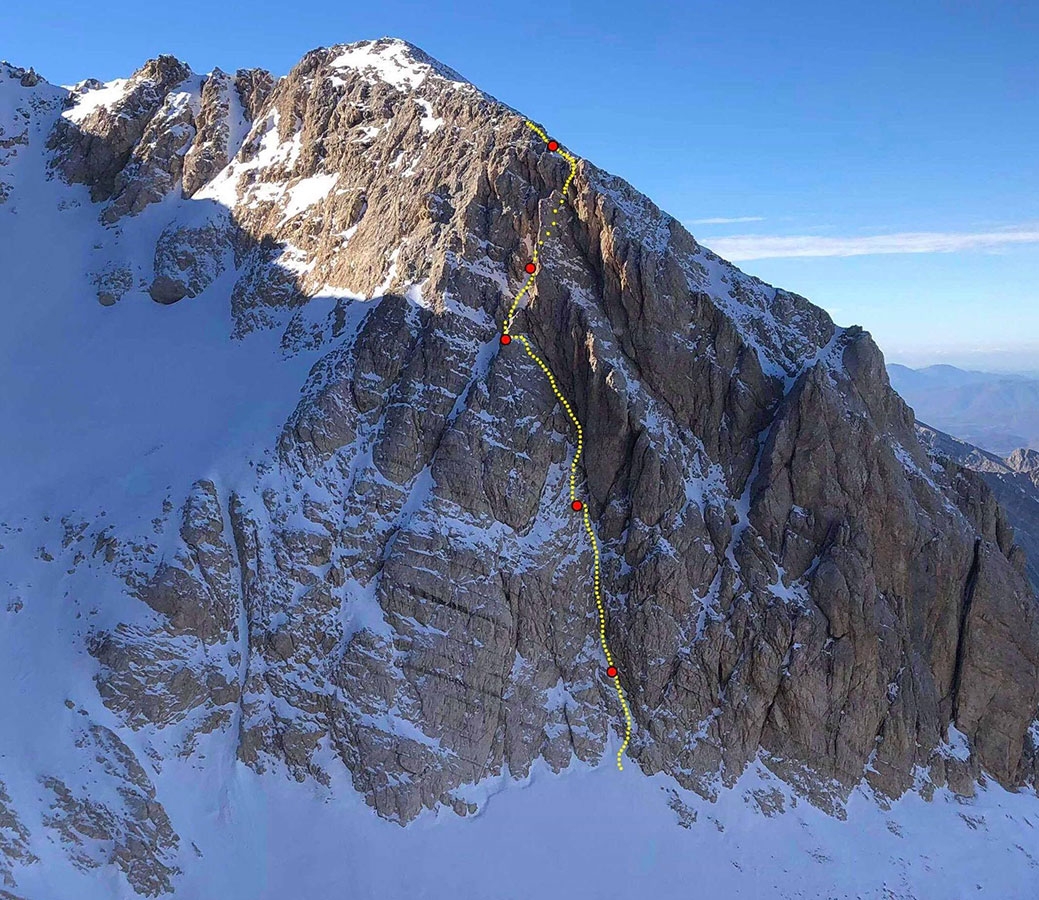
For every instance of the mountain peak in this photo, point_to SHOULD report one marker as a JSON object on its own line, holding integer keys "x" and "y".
{"x": 26, "y": 77}
{"x": 393, "y": 60}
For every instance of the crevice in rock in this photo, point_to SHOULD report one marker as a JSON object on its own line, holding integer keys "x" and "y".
{"x": 961, "y": 642}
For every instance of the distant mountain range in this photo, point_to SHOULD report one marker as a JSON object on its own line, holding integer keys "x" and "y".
{"x": 997, "y": 412}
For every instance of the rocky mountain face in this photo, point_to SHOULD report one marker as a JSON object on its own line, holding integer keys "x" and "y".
{"x": 397, "y": 587}
{"x": 1014, "y": 481}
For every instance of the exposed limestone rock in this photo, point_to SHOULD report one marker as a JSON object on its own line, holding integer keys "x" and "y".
{"x": 149, "y": 679}
{"x": 197, "y": 591}
{"x": 1025, "y": 460}
{"x": 266, "y": 288}
{"x": 14, "y": 839}
{"x": 156, "y": 163}
{"x": 29, "y": 78}
{"x": 187, "y": 260}
{"x": 227, "y": 105}
{"x": 210, "y": 150}
{"x": 165, "y": 674}
{"x": 131, "y": 829}
{"x": 112, "y": 284}
{"x": 253, "y": 87}
{"x": 99, "y": 150}
{"x": 1014, "y": 482}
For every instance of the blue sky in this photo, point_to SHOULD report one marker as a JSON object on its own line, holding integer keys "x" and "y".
{"x": 843, "y": 138}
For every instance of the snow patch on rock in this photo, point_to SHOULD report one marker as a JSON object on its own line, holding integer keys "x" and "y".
{"x": 395, "y": 62}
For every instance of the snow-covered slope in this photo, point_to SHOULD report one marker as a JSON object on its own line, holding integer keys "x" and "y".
{"x": 294, "y": 604}
{"x": 110, "y": 410}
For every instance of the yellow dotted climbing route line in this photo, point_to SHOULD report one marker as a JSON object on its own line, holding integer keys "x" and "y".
{"x": 572, "y": 161}
{"x": 515, "y": 303}
{"x": 597, "y": 564}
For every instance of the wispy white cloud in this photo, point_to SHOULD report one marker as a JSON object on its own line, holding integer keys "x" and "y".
{"x": 756, "y": 246}
{"x": 722, "y": 220}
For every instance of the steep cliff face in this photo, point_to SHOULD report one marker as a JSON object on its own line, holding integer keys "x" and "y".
{"x": 1014, "y": 482}
{"x": 396, "y": 585}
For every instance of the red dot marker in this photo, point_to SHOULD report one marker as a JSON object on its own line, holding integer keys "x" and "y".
{"x": 530, "y": 267}
{"x": 577, "y": 506}
{"x": 506, "y": 339}
{"x": 553, "y": 146}
{"x": 612, "y": 671}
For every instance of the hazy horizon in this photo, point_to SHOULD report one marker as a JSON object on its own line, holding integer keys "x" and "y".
{"x": 998, "y": 361}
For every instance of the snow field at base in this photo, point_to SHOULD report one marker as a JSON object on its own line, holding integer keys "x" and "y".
{"x": 588, "y": 832}
{"x": 593, "y": 832}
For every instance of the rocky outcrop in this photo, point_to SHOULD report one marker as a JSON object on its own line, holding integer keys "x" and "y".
{"x": 1014, "y": 483}
{"x": 112, "y": 284}
{"x": 188, "y": 260}
{"x": 131, "y": 831}
{"x": 135, "y": 142}
{"x": 14, "y": 839}
{"x": 196, "y": 596}
{"x": 98, "y": 150}
{"x": 787, "y": 573}
{"x": 1026, "y": 461}
{"x": 210, "y": 149}
{"x": 227, "y": 105}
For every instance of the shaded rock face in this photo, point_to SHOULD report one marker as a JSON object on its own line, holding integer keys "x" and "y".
{"x": 1014, "y": 482}
{"x": 15, "y": 839}
{"x": 404, "y": 591}
{"x": 130, "y": 830}
{"x": 196, "y": 594}
{"x": 187, "y": 260}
